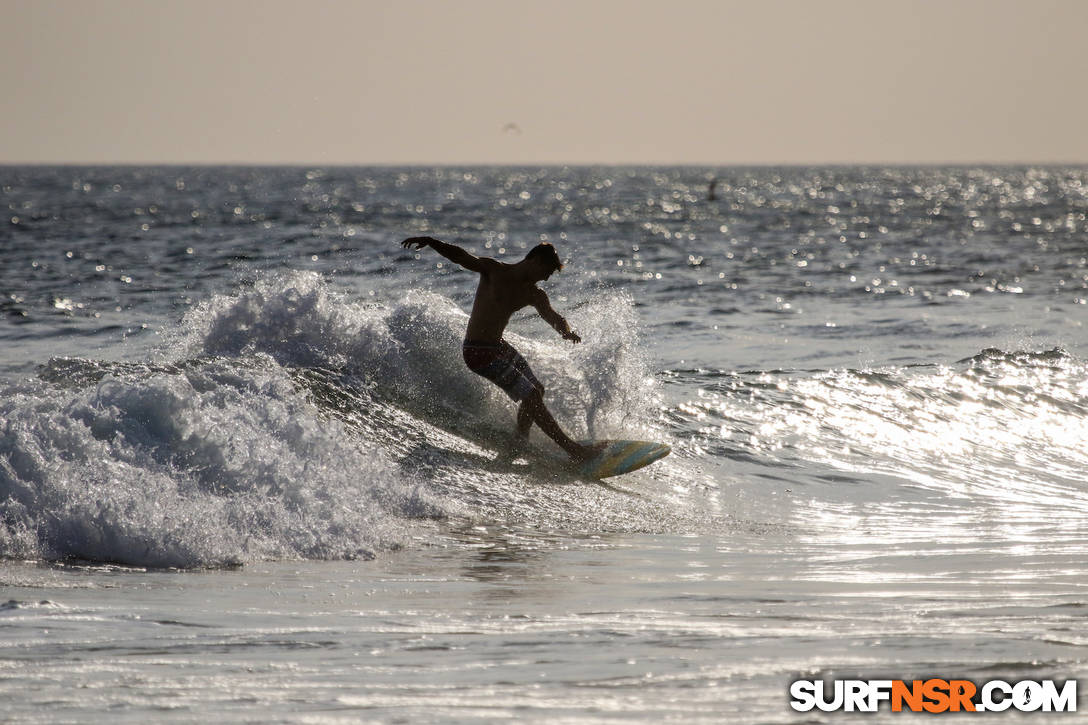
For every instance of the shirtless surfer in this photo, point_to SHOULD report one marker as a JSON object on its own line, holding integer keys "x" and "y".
{"x": 503, "y": 290}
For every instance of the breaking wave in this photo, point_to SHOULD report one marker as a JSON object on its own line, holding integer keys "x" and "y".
{"x": 284, "y": 421}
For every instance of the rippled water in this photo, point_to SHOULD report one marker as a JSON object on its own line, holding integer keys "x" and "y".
{"x": 244, "y": 472}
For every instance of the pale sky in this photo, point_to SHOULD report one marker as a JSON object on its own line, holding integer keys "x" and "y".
{"x": 551, "y": 81}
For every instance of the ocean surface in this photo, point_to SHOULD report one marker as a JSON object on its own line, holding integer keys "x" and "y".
{"x": 246, "y": 477}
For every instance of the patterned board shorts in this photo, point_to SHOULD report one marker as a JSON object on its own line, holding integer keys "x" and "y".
{"x": 503, "y": 365}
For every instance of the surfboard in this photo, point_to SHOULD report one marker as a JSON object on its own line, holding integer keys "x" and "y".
{"x": 619, "y": 456}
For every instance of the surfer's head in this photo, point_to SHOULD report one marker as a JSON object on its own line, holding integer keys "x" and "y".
{"x": 544, "y": 257}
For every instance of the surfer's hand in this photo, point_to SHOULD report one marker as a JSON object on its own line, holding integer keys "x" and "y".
{"x": 419, "y": 242}
{"x": 572, "y": 336}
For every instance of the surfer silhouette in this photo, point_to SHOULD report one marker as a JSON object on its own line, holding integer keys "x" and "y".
{"x": 503, "y": 290}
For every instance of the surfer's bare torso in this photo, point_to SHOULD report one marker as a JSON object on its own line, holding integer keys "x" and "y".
{"x": 503, "y": 290}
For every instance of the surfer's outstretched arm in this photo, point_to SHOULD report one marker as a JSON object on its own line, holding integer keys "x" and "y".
{"x": 451, "y": 252}
{"x": 544, "y": 306}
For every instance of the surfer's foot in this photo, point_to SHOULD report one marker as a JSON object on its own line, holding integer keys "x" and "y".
{"x": 587, "y": 452}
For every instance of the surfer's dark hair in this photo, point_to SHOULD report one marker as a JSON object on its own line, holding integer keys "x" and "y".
{"x": 546, "y": 252}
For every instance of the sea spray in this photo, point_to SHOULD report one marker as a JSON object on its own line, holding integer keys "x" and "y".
{"x": 407, "y": 350}
{"x": 622, "y": 398}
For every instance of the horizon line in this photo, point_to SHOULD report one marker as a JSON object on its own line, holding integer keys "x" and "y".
{"x": 548, "y": 164}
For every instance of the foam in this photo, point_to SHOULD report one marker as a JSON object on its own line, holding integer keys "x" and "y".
{"x": 213, "y": 466}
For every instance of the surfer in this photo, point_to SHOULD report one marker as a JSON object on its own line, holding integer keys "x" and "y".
{"x": 503, "y": 290}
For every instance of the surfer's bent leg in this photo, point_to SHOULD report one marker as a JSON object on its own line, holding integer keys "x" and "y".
{"x": 534, "y": 404}
{"x": 525, "y": 410}
{"x": 525, "y": 419}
